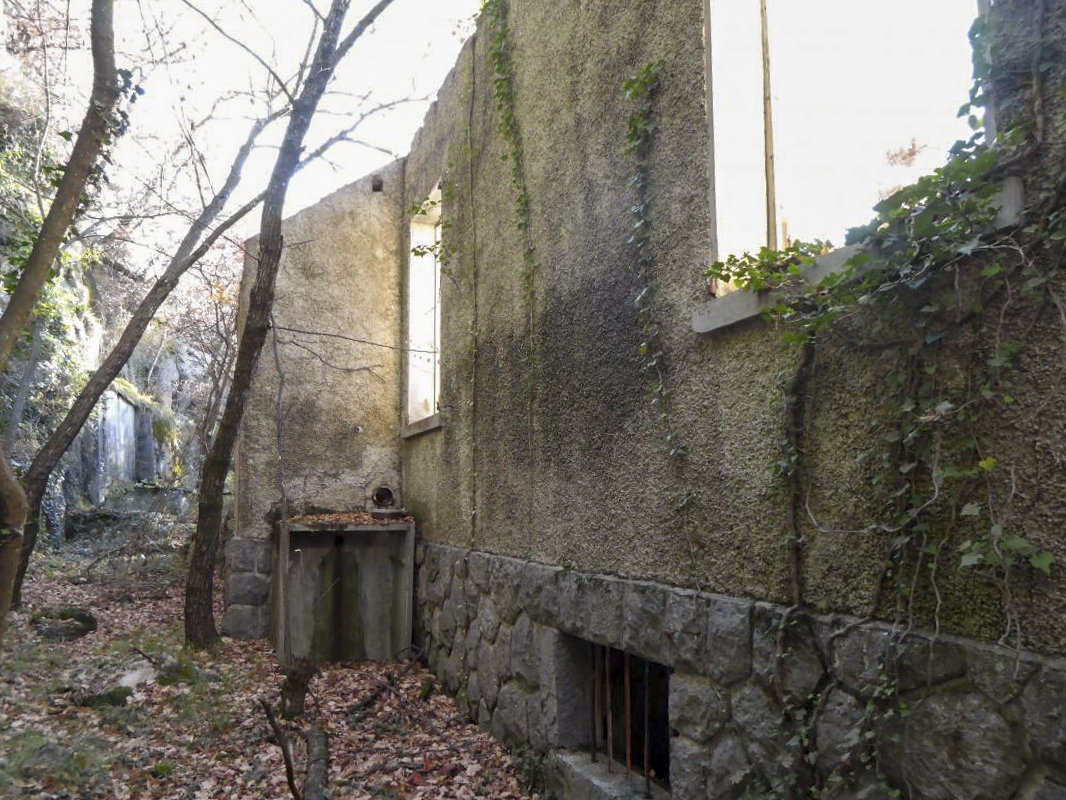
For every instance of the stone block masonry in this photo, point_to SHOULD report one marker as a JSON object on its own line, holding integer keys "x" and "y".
{"x": 247, "y": 574}
{"x": 763, "y": 700}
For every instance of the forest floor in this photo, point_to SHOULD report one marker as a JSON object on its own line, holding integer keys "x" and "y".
{"x": 190, "y": 726}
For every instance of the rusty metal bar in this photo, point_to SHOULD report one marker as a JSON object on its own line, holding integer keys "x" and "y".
{"x": 647, "y": 729}
{"x": 593, "y": 698}
{"x": 628, "y": 714}
{"x": 607, "y": 699}
{"x": 599, "y": 697}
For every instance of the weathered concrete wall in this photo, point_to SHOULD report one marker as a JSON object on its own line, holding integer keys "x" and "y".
{"x": 339, "y": 286}
{"x": 550, "y": 449}
{"x": 559, "y": 457}
{"x": 348, "y": 595}
{"x": 549, "y": 502}
{"x": 940, "y": 718}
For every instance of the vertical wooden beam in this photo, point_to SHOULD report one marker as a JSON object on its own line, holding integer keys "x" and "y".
{"x": 407, "y": 595}
{"x": 768, "y": 134}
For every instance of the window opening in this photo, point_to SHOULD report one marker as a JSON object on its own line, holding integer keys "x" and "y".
{"x": 423, "y": 310}
{"x": 811, "y": 123}
{"x": 629, "y": 721}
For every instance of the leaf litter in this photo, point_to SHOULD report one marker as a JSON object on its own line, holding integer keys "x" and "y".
{"x": 189, "y": 727}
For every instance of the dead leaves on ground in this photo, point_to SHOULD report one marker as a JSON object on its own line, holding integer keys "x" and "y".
{"x": 202, "y": 736}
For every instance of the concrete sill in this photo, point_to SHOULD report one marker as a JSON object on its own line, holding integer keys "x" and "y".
{"x": 418, "y": 427}
{"x": 574, "y": 775}
{"x": 740, "y": 305}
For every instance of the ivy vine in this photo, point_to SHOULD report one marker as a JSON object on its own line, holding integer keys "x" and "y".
{"x": 501, "y": 58}
{"x": 932, "y": 284}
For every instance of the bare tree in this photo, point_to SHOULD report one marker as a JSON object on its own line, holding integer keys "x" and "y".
{"x": 200, "y": 628}
{"x": 198, "y": 241}
{"x": 192, "y": 248}
{"x": 208, "y": 325}
{"x": 96, "y": 128}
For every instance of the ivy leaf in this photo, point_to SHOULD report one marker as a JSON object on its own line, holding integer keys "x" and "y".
{"x": 971, "y": 559}
{"x": 1042, "y": 561}
{"x": 1019, "y": 545}
{"x": 971, "y": 510}
{"x": 992, "y": 269}
{"x": 987, "y": 463}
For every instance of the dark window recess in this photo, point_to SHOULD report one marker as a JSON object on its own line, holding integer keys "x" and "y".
{"x": 629, "y": 717}
{"x": 377, "y": 183}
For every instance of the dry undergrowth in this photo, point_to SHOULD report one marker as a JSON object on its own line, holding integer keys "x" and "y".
{"x": 194, "y": 731}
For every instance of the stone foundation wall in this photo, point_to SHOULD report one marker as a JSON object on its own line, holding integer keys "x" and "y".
{"x": 248, "y": 577}
{"x": 762, "y": 700}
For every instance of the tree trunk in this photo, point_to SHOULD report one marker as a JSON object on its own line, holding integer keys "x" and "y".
{"x": 187, "y": 254}
{"x": 316, "y": 779}
{"x": 18, "y": 405}
{"x": 200, "y": 629}
{"x": 95, "y": 128}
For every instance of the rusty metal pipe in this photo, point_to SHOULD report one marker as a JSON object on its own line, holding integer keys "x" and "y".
{"x": 594, "y": 681}
{"x": 647, "y": 729}
{"x": 607, "y": 699}
{"x": 628, "y": 714}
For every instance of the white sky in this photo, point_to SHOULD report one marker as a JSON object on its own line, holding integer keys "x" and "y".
{"x": 851, "y": 80}
{"x": 406, "y": 55}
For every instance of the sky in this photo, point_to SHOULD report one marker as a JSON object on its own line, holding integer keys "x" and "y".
{"x": 851, "y": 80}
{"x": 404, "y": 57}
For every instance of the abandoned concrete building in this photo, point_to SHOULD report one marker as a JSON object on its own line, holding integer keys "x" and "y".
{"x": 610, "y": 556}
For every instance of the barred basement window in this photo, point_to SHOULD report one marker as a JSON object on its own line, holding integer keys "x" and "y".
{"x": 629, "y": 716}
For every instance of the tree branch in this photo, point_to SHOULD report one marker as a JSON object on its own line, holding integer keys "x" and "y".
{"x": 283, "y": 743}
{"x": 245, "y": 48}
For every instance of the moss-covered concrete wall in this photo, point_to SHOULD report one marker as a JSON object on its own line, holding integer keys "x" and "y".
{"x": 338, "y": 317}
{"x": 550, "y": 449}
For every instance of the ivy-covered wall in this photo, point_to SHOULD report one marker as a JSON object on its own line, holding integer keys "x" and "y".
{"x": 585, "y": 425}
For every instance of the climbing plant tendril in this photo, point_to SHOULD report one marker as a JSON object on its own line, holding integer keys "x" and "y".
{"x": 942, "y": 296}
{"x": 501, "y": 59}
{"x": 501, "y": 50}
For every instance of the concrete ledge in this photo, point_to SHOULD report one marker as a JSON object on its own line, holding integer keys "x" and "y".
{"x": 740, "y": 305}
{"x": 575, "y": 776}
{"x": 417, "y": 428}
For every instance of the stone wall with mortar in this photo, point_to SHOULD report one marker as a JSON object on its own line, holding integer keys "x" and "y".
{"x": 761, "y": 701}
{"x": 550, "y": 449}
{"x": 339, "y": 283}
